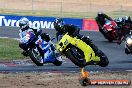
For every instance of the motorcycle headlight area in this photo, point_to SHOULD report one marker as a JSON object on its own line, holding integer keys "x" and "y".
{"x": 60, "y": 49}
{"x": 66, "y": 42}
{"x": 25, "y": 39}
{"x": 61, "y": 44}
{"x": 129, "y": 41}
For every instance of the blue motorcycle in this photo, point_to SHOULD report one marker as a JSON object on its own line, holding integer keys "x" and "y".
{"x": 39, "y": 50}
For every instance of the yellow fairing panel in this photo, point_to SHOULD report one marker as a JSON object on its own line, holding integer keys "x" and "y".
{"x": 63, "y": 40}
{"x": 88, "y": 51}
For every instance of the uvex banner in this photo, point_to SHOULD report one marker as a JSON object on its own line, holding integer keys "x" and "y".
{"x": 39, "y": 22}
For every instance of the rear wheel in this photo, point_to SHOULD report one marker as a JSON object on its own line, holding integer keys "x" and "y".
{"x": 76, "y": 56}
{"x": 58, "y": 60}
{"x": 57, "y": 63}
{"x": 35, "y": 56}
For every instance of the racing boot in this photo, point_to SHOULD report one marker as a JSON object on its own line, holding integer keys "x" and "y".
{"x": 24, "y": 53}
{"x": 24, "y": 48}
{"x": 52, "y": 47}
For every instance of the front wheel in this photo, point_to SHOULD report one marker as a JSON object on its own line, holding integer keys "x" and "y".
{"x": 127, "y": 51}
{"x": 106, "y": 35}
{"x": 103, "y": 59}
{"x": 35, "y": 56}
{"x": 110, "y": 39}
{"x": 76, "y": 56}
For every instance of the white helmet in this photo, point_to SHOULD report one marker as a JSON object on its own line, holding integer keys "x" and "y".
{"x": 23, "y": 22}
{"x": 119, "y": 19}
{"x": 126, "y": 18}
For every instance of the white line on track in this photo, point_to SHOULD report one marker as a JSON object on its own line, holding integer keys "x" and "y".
{"x": 10, "y": 38}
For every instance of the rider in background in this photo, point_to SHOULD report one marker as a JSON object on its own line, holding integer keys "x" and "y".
{"x": 72, "y": 30}
{"x": 124, "y": 26}
{"x": 128, "y": 22}
{"x": 24, "y": 26}
{"x": 127, "y": 19}
{"x": 123, "y": 21}
{"x": 101, "y": 18}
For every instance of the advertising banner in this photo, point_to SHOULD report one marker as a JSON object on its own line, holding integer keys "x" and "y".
{"x": 39, "y": 22}
{"x": 90, "y": 25}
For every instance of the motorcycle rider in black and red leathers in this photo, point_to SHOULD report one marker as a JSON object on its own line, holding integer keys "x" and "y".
{"x": 101, "y": 19}
{"x": 72, "y": 30}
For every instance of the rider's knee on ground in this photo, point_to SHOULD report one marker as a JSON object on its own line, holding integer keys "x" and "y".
{"x": 22, "y": 46}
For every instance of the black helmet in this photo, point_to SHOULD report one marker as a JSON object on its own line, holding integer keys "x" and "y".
{"x": 58, "y": 23}
{"x": 23, "y": 22}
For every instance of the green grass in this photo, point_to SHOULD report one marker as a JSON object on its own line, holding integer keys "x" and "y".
{"x": 90, "y": 15}
{"x": 9, "y": 49}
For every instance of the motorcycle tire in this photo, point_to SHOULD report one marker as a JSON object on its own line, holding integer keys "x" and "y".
{"x": 109, "y": 39}
{"x": 103, "y": 60}
{"x": 101, "y": 31}
{"x": 75, "y": 56}
{"x": 33, "y": 58}
{"x": 126, "y": 51}
{"x": 57, "y": 62}
{"x": 106, "y": 36}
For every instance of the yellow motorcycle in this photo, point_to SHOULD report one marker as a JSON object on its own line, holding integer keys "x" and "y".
{"x": 79, "y": 52}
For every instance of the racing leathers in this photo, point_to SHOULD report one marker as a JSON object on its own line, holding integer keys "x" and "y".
{"x": 101, "y": 19}
{"x": 36, "y": 31}
{"x": 74, "y": 31}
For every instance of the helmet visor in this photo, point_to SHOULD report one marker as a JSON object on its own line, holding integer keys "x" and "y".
{"x": 21, "y": 25}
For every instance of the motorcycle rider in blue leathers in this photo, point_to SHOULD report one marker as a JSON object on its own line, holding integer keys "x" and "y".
{"x": 24, "y": 26}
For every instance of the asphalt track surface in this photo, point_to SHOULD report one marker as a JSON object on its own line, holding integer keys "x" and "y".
{"x": 119, "y": 61}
